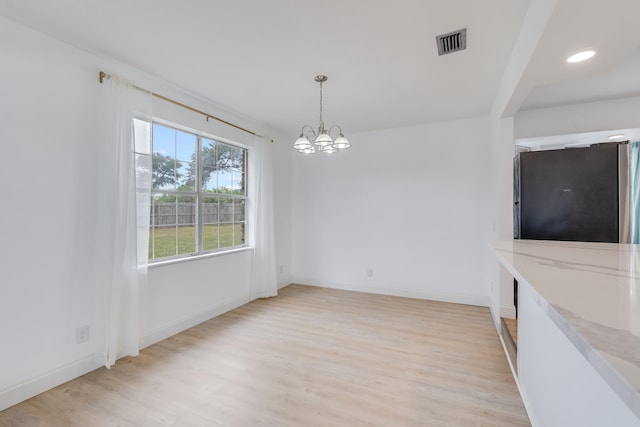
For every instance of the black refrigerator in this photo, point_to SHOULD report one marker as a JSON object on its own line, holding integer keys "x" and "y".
{"x": 574, "y": 194}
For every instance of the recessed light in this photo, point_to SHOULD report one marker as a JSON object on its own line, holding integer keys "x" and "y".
{"x": 620, "y": 135}
{"x": 581, "y": 56}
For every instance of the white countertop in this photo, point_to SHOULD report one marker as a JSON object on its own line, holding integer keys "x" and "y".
{"x": 592, "y": 293}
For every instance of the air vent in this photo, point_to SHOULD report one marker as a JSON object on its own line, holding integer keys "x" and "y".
{"x": 452, "y": 42}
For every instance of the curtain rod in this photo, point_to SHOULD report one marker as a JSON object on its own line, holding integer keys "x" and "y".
{"x": 102, "y": 75}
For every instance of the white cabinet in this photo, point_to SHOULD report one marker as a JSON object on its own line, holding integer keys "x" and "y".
{"x": 578, "y": 358}
{"x": 559, "y": 386}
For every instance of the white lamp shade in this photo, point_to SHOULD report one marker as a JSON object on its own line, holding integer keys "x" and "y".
{"x": 302, "y": 143}
{"x": 324, "y": 139}
{"x": 329, "y": 149}
{"x": 341, "y": 143}
{"x": 308, "y": 150}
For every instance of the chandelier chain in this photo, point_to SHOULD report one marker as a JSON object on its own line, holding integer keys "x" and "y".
{"x": 321, "y": 122}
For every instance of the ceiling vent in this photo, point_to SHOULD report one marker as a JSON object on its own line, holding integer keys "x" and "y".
{"x": 452, "y": 42}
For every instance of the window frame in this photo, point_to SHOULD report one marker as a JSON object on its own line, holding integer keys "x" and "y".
{"x": 199, "y": 195}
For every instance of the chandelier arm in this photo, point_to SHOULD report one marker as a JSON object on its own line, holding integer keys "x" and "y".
{"x": 335, "y": 126}
{"x": 308, "y": 127}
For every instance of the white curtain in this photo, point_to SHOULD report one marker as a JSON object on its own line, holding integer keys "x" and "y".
{"x": 262, "y": 235}
{"x": 124, "y": 194}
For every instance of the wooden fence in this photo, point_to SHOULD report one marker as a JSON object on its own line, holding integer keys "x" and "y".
{"x": 185, "y": 213}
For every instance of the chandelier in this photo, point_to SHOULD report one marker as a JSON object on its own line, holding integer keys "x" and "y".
{"x": 322, "y": 140}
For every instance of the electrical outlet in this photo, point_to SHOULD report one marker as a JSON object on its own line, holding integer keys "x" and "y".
{"x": 281, "y": 268}
{"x": 82, "y": 334}
{"x": 369, "y": 272}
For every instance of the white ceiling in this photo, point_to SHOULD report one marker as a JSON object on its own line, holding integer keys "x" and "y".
{"x": 620, "y": 81}
{"x": 259, "y": 57}
{"x": 608, "y": 27}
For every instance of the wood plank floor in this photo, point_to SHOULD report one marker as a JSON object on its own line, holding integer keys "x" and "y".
{"x": 310, "y": 357}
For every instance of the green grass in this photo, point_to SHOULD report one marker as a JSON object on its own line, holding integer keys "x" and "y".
{"x": 163, "y": 239}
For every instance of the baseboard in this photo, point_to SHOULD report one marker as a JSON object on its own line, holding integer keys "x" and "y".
{"x": 284, "y": 284}
{"x": 508, "y": 311}
{"x": 170, "y": 329}
{"x": 495, "y": 316}
{"x": 47, "y": 381}
{"x": 479, "y": 300}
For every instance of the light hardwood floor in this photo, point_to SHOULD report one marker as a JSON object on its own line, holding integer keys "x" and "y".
{"x": 310, "y": 357}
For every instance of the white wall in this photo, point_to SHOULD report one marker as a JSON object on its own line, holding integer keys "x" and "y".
{"x": 622, "y": 113}
{"x": 183, "y": 294}
{"x": 513, "y": 89}
{"x": 501, "y": 222}
{"x": 409, "y": 203}
{"x": 47, "y": 208}
{"x": 49, "y": 99}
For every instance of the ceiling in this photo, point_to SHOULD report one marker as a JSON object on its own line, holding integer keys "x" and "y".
{"x": 259, "y": 57}
{"x": 608, "y": 27}
{"x": 619, "y": 81}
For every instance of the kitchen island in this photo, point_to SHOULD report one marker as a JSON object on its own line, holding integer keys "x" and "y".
{"x": 578, "y": 359}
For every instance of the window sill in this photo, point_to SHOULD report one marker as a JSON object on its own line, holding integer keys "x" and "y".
{"x": 198, "y": 257}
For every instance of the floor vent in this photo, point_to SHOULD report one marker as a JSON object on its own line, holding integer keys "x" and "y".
{"x": 452, "y": 42}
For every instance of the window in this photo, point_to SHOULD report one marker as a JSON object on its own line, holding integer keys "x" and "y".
{"x": 198, "y": 195}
